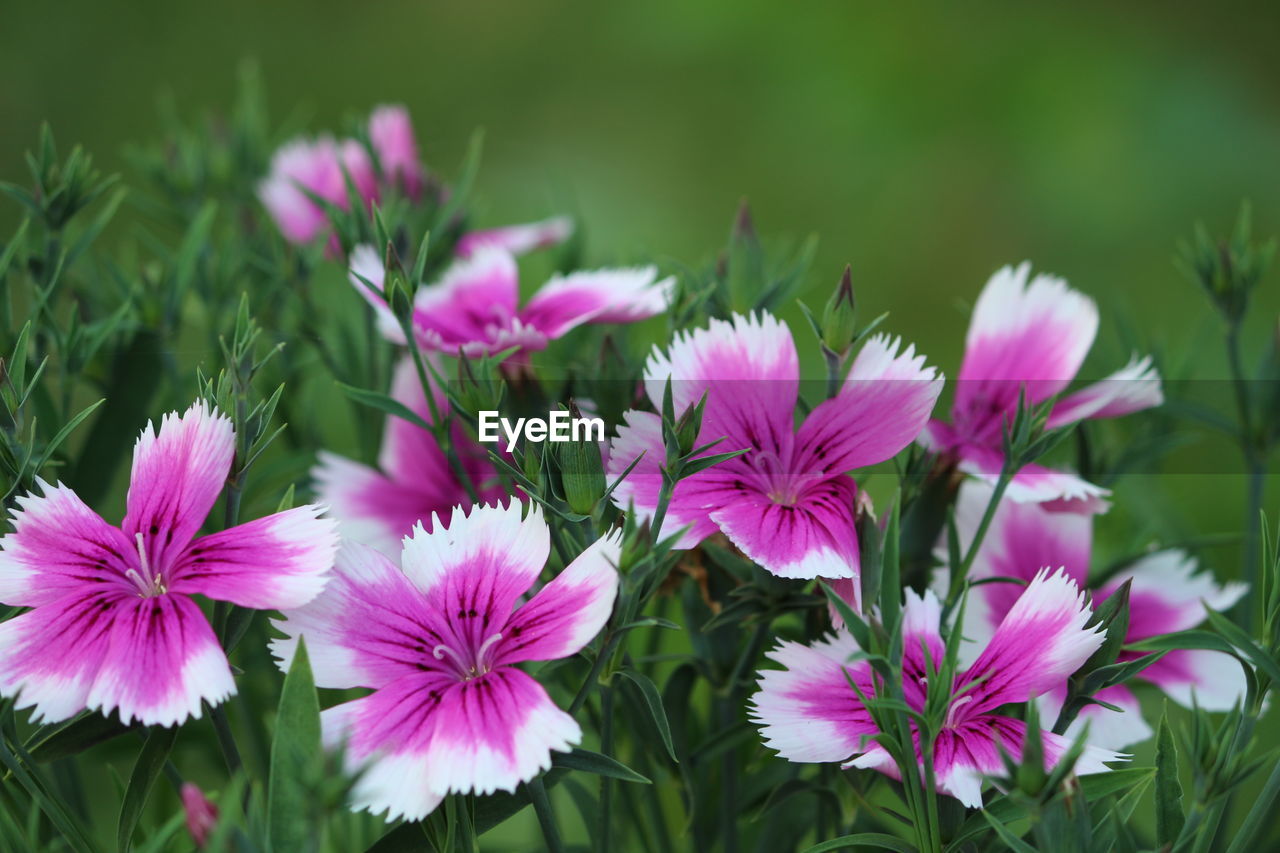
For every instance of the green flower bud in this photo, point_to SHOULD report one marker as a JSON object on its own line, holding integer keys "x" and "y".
{"x": 396, "y": 288}
{"x": 839, "y": 318}
{"x": 581, "y": 470}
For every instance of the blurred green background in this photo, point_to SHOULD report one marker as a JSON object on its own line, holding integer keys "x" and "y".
{"x": 925, "y": 144}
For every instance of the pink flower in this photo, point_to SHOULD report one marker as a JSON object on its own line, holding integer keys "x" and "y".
{"x": 381, "y": 507}
{"x": 809, "y": 712}
{"x": 391, "y": 135}
{"x": 474, "y": 308}
{"x": 314, "y": 166}
{"x": 113, "y": 625}
{"x": 1034, "y": 337}
{"x": 202, "y": 815}
{"x": 437, "y": 640}
{"x": 517, "y": 239}
{"x": 787, "y": 502}
{"x": 1167, "y": 595}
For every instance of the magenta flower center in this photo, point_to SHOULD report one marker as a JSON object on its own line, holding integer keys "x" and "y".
{"x": 465, "y": 663}
{"x": 146, "y": 580}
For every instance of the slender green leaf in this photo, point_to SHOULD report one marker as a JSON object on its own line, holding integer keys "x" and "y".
{"x": 593, "y": 762}
{"x": 863, "y": 840}
{"x": 653, "y": 700}
{"x": 151, "y": 760}
{"x": 1169, "y": 816}
{"x": 296, "y": 743}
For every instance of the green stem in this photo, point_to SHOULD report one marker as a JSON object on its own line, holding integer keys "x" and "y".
{"x": 1261, "y": 810}
{"x": 954, "y": 589}
{"x": 439, "y": 423}
{"x": 226, "y": 740}
{"x": 606, "y": 784}
{"x": 835, "y": 363}
{"x": 606, "y": 651}
{"x": 546, "y": 817}
{"x": 1254, "y": 465}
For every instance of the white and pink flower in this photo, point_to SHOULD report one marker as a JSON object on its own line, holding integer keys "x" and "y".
{"x": 1031, "y": 338}
{"x": 787, "y": 502}
{"x": 113, "y": 625}
{"x": 413, "y": 480}
{"x": 809, "y": 712}
{"x": 321, "y": 167}
{"x": 1167, "y": 594}
{"x": 474, "y": 310}
{"x": 437, "y": 639}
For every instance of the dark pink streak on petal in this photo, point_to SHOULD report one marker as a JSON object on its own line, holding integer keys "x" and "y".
{"x": 177, "y": 475}
{"x": 59, "y": 546}
{"x": 270, "y": 563}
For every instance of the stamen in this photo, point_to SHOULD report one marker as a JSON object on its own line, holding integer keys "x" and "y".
{"x": 440, "y": 651}
{"x": 468, "y": 667}
{"x": 955, "y": 706}
{"x": 132, "y": 574}
{"x": 482, "y": 661}
{"x": 148, "y": 584}
{"x": 142, "y": 557}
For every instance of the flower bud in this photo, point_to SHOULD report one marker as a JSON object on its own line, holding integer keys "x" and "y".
{"x": 531, "y": 463}
{"x": 581, "y": 469}
{"x": 839, "y": 318}
{"x": 477, "y": 388}
{"x": 202, "y": 815}
{"x": 689, "y": 427}
{"x": 396, "y": 288}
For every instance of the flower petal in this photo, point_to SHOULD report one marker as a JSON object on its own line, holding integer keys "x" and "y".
{"x": 474, "y": 570}
{"x": 569, "y": 611}
{"x": 1033, "y": 483}
{"x": 597, "y": 296}
{"x": 1168, "y": 594}
{"x": 367, "y": 270}
{"x": 270, "y": 563}
{"x": 1022, "y": 539}
{"x": 813, "y": 537}
{"x": 423, "y": 736}
{"x": 1033, "y": 336}
{"x": 59, "y": 545}
{"x": 1134, "y": 387}
{"x": 391, "y": 135}
{"x": 1107, "y": 729}
{"x": 882, "y": 407}
{"x": 177, "y": 475}
{"x": 1041, "y": 641}
{"x": 412, "y": 456}
{"x": 807, "y": 711}
{"x": 517, "y": 239}
{"x": 750, "y": 372}
{"x": 1212, "y": 680}
{"x": 370, "y": 507}
{"x": 964, "y": 755}
{"x": 640, "y": 437}
{"x": 367, "y": 628}
{"x": 472, "y": 305}
{"x": 50, "y": 656}
{"x": 162, "y": 662}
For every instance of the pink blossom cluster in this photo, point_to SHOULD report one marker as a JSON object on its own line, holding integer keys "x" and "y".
{"x": 435, "y": 598}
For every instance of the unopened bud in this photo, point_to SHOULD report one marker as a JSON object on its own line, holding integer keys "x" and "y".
{"x": 581, "y": 468}
{"x": 839, "y": 318}
{"x": 478, "y": 389}
{"x": 396, "y": 288}
{"x": 531, "y": 463}
{"x": 744, "y": 227}
{"x": 689, "y": 427}
{"x": 202, "y": 815}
